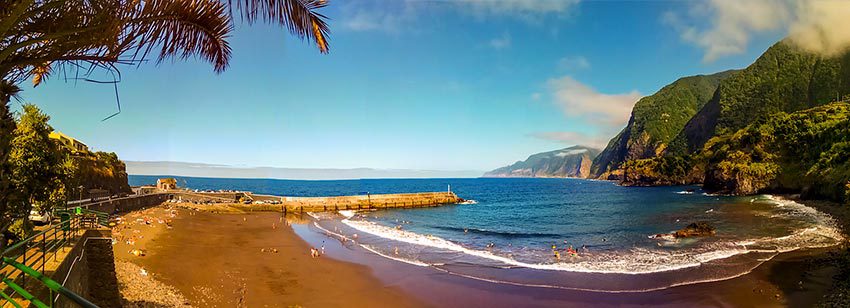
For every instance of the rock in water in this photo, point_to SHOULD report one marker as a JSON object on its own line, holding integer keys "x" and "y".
{"x": 696, "y": 229}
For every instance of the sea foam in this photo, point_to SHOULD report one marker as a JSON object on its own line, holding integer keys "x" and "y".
{"x": 821, "y": 232}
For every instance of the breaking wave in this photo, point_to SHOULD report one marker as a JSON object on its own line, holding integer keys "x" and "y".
{"x": 821, "y": 232}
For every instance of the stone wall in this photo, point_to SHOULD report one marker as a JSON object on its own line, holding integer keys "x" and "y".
{"x": 89, "y": 271}
{"x": 127, "y": 204}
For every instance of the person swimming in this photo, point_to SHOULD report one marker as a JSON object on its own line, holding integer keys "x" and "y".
{"x": 572, "y": 251}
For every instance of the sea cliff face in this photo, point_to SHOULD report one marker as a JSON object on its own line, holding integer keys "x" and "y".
{"x": 100, "y": 170}
{"x": 572, "y": 162}
{"x": 778, "y": 125}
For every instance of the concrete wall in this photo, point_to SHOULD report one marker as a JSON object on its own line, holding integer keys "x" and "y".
{"x": 127, "y": 204}
{"x": 319, "y": 204}
{"x": 89, "y": 271}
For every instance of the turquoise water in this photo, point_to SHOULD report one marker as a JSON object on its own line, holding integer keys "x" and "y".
{"x": 508, "y": 234}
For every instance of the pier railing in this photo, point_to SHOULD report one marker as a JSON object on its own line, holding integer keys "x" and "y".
{"x": 26, "y": 264}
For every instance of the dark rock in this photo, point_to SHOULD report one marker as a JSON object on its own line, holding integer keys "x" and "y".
{"x": 696, "y": 229}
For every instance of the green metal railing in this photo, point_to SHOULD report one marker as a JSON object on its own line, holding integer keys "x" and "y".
{"x": 51, "y": 285}
{"x": 23, "y": 263}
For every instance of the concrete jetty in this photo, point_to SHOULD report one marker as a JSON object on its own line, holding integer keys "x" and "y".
{"x": 256, "y": 202}
{"x": 363, "y": 202}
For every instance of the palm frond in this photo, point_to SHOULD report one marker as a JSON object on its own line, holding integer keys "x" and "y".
{"x": 40, "y": 72}
{"x": 300, "y": 17}
{"x": 8, "y": 90}
{"x": 182, "y": 28}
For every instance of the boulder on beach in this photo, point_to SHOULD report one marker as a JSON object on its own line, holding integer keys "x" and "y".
{"x": 696, "y": 229}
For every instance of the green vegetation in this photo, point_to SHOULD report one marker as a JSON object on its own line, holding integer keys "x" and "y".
{"x": 99, "y": 170}
{"x": 39, "y": 174}
{"x": 807, "y": 151}
{"x": 33, "y": 171}
{"x": 783, "y": 79}
{"x": 662, "y": 170}
{"x": 769, "y": 127}
{"x": 662, "y": 115}
{"x": 37, "y": 163}
{"x": 657, "y": 119}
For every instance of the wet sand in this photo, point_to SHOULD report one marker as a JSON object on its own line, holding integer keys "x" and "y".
{"x": 229, "y": 260}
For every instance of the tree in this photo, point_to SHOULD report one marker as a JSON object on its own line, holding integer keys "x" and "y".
{"x": 7, "y": 129}
{"x": 37, "y": 165}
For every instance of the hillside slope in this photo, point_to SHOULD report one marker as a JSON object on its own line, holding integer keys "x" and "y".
{"x": 783, "y": 79}
{"x": 656, "y": 120}
{"x": 806, "y": 151}
{"x": 572, "y": 162}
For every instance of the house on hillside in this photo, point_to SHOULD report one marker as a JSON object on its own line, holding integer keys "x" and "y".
{"x": 73, "y": 145}
{"x": 166, "y": 184}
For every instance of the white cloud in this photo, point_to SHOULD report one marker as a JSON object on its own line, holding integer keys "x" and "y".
{"x": 573, "y": 63}
{"x": 390, "y": 17}
{"x": 518, "y": 7}
{"x": 535, "y": 96}
{"x": 578, "y": 100}
{"x": 501, "y": 42}
{"x": 820, "y": 26}
{"x": 573, "y": 138}
{"x": 394, "y": 16}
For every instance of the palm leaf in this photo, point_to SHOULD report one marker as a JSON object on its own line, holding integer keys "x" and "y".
{"x": 298, "y": 16}
{"x": 182, "y": 28}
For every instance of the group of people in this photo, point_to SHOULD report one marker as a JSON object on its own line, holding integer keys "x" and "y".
{"x": 315, "y": 253}
{"x": 570, "y": 251}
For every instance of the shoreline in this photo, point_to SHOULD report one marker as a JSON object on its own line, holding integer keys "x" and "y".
{"x": 802, "y": 277}
{"x": 797, "y": 278}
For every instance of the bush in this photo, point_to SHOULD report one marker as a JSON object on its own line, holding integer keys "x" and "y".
{"x": 22, "y": 228}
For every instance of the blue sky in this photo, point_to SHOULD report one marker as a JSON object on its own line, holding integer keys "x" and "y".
{"x": 408, "y": 84}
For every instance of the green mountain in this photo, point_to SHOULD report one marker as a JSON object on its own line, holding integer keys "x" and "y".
{"x": 573, "y": 162}
{"x": 778, "y": 125}
{"x": 783, "y": 79}
{"x": 656, "y": 120}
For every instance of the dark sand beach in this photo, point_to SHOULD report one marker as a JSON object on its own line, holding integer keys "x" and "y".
{"x": 227, "y": 259}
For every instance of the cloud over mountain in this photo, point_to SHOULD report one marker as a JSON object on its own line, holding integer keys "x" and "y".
{"x": 819, "y": 26}
{"x": 578, "y": 100}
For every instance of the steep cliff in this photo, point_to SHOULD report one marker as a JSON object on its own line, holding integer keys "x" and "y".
{"x": 656, "y": 120}
{"x": 572, "y": 162}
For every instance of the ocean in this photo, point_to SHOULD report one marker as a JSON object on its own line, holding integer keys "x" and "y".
{"x": 519, "y": 231}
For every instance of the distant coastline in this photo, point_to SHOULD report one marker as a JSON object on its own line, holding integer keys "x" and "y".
{"x": 188, "y": 169}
